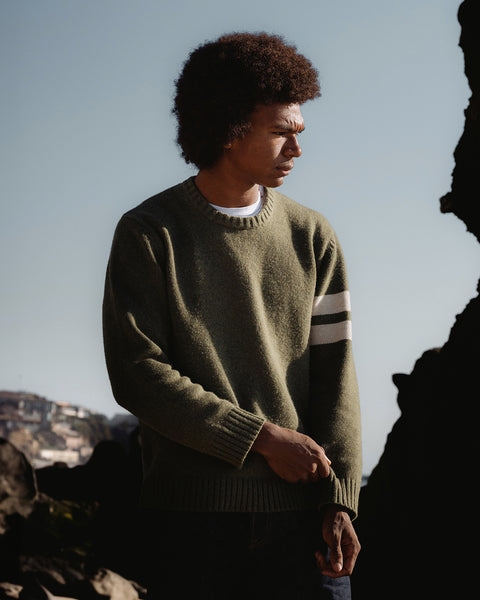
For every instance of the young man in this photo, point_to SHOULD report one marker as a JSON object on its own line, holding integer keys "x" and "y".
{"x": 227, "y": 333}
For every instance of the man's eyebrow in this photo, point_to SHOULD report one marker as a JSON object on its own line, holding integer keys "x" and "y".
{"x": 294, "y": 128}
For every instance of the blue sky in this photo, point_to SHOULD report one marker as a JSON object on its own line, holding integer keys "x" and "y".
{"x": 87, "y": 133}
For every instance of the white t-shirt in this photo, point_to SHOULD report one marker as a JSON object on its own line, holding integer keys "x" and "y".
{"x": 242, "y": 211}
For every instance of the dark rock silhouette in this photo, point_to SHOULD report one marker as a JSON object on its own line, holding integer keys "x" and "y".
{"x": 416, "y": 526}
{"x": 17, "y": 484}
{"x": 110, "y": 479}
{"x": 464, "y": 198}
{"x": 104, "y": 476}
{"x": 71, "y": 532}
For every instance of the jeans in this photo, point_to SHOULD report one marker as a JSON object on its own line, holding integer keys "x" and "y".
{"x": 231, "y": 556}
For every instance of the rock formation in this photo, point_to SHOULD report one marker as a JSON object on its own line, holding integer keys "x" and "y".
{"x": 416, "y": 525}
{"x": 464, "y": 197}
{"x": 71, "y": 532}
{"x": 17, "y": 485}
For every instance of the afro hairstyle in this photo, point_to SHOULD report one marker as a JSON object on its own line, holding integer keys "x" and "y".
{"x": 222, "y": 82}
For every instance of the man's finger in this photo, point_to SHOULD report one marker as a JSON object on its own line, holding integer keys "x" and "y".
{"x": 326, "y": 568}
{"x": 321, "y": 561}
{"x": 322, "y": 464}
{"x": 336, "y": 558}
{"x": 350, "y": 554}
{"x": 323, "y": 470}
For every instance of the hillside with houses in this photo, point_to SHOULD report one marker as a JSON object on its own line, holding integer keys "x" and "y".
{"x": 55, "y": 432}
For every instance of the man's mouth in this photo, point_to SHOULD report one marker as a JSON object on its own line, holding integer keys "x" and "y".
{"x": 285, "y": 169}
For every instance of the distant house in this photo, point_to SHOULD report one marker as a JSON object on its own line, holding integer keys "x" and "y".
{"x": 20, "y": 409}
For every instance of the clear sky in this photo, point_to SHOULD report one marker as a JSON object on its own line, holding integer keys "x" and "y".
{"x": 87, "y": 133}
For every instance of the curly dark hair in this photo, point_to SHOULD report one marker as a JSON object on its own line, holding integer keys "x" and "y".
{"x": 223, "y": 81}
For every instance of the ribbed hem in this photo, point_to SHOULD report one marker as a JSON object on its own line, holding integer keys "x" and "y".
{"x": 235, "y": 437}
{"x": 230, "y": 494}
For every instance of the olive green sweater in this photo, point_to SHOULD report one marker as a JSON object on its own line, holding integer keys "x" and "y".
{"x": 214, "y": 324}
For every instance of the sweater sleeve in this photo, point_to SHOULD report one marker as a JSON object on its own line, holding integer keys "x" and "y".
{"x": 137, "y": 335}
{"x": 334, "y": 401}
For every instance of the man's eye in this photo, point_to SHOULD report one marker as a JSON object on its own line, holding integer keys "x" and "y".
{"x": 284, "y": 133}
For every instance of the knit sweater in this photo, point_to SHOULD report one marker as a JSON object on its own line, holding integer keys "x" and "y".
{"x": 214, "y": 324}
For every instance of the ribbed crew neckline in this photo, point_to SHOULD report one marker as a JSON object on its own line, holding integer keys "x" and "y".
{"x": 205, "y": 208}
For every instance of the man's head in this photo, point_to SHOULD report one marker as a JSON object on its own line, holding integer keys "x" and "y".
{"x": 222, "y": 84}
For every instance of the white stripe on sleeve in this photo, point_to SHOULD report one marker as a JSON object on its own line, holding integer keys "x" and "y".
{"x": 331, "y": 303}
{"x": 331, "y": 333}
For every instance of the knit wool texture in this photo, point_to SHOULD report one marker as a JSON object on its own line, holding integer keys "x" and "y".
{"x": 214, "y": 324}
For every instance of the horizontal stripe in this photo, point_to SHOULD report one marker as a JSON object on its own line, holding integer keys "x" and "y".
{"x": 329, "y": 334}
{"x": 331, "y": 303}
{"x": 335, "y": 318}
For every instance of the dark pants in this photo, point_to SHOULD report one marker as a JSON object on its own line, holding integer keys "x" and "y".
{"x": 242, "y": 555}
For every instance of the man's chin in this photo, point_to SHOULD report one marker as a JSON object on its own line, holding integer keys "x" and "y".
{"x": 274, "y": 182}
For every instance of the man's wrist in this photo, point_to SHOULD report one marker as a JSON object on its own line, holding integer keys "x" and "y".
{"x": 331, "y": 509}
{"x": 264, "y": 438}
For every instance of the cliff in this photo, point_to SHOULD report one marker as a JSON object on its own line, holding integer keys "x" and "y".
{"x": 416, "y": 526}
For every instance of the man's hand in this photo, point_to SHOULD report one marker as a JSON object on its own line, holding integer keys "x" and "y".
{"x": 293, "y": 456}
{"x": 342, "y": 541}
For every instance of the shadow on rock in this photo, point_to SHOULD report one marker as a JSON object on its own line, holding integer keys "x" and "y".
{"x": 71, "y": 532}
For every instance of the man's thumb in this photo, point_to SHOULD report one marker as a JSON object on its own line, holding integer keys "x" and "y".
{"x": 336, "y": 558}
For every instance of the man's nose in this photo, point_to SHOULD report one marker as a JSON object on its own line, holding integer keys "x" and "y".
{"x": 292, "y": 147}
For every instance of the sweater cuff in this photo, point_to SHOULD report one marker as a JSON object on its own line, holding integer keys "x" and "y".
{"x": 344, "y": 492}
{"x": 236, "y": 435}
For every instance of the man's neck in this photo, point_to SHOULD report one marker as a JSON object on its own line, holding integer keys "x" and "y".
{"x": 222, "y": 190}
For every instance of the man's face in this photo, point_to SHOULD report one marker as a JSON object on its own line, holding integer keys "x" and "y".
{"x": 266, "y": 153}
